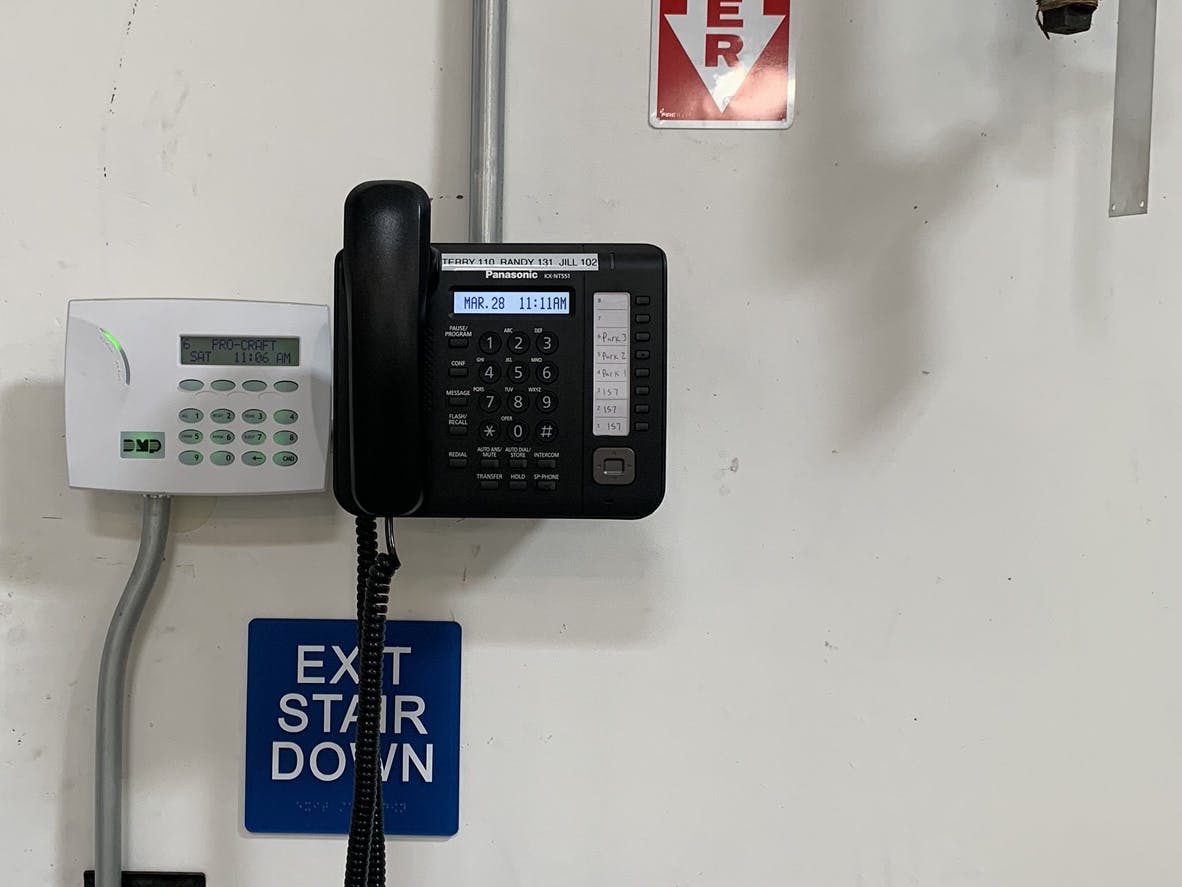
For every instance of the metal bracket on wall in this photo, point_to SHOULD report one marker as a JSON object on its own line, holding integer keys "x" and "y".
{"x": 1132, "y": 123}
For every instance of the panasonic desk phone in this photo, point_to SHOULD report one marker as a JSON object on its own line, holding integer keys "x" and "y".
{"x": 493, "y": 381}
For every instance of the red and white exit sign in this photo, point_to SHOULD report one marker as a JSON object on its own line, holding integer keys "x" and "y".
{"x": 722, "y": 64}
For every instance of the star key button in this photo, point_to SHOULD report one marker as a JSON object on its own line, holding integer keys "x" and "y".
{"x": 490, "y": 431}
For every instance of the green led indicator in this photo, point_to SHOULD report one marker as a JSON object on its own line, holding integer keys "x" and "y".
{"x": 112, "y": 340}
{"x": 119, "y": 348}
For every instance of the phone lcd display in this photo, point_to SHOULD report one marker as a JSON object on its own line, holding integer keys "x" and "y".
{"x": 243, "y": 351}
{"x": 511, "y": 302}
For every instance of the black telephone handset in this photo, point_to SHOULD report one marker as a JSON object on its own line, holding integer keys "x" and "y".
{"x": 382, "y": 277}
{"x": 487, "y": 380}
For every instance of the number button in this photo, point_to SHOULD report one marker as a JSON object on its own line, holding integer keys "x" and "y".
{"x": 519, "y": 403}
{"x": 285, "y": 438}
{"x": 285, "y": 460}
{"x": 547, "y": 342}
{"x": 490, "y": 402}
{"x": 190, "y": 457}
{"x": 286, "y": 417}
{"x": 255, "y": 385}
{"x": 518, "y": 372}
{"x": 547, "y": 431}
{"x": 519, "y": 343}
{"x": 190, "y": 436}
{"x": 547, "y": 372}
{"x": 222, "y": 417}
{"x": 254, "y": 438}
{"x": 547, "y": 402}
{"x": 518, "y": 431}
{"x": 221, "y": 457}
{"x": 490, "y": 372}
{"x": 222, "y": 436}
{"x": 254, "y": 417}
{"x": 253, "y": 458}
{"x": 490, "y": 343}
{"x": 190, "y": 416}
{"x": 490, "y": 431}
{"x": 222, "y": 385}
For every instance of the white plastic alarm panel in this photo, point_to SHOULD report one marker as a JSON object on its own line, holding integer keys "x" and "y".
{"x": 198, "y": 396}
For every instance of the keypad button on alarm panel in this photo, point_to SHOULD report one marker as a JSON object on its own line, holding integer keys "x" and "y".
{"x": 245, "y": 410}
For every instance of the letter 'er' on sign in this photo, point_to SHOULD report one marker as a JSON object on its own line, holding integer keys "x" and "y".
{"x": 722, "y": 64}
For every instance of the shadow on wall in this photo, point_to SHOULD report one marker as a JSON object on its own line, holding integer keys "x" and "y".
{"x": 863, "y": 217}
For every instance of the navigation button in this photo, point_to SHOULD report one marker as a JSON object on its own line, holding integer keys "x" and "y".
{"x": 253, "y": 458}
{"x": 285, "y": 459}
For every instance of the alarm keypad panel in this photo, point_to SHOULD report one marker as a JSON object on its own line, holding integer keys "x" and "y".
{"x": 198, "y": 397}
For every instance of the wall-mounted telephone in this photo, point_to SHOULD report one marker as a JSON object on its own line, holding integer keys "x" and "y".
{"x": 198, "y": 396}
{"x": 477, "y": 380}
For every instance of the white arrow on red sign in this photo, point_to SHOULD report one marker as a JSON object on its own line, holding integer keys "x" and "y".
{"x": 722, "y": 63}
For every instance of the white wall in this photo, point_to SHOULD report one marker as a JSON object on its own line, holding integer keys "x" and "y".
{"x": 910, "y": 613}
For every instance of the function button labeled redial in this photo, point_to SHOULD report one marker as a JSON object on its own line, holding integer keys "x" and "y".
{"x": 190, "y": 457}
{"x": 222, "y": 457}
{"x": 547, "y": 342}
{"x": 490, "y": 372}
{"x": 547, "y": 372}
{"x": 190, "y": 436}
{"x": 222, "y": 436}
{"x": 190, "y": 415}
{"x": 191, "y": 385}
{"x": 458, "y": 462}
{"x": 518, "y": 403}
{"x": 283, "y": 438}
{"x": 222, "y": 417}
{"x": 490, "y": 401}
{"x": 286, "y": 417}
{"x": 490, "y": 343}
{"x": 254, "y": 417}
{"x": 489, "y": 431}
{"x": 518, "y": 372}
{"x": 285, "y": 460}
{"x": 222, "y": 385}
{"x": 518, "y": 343}
{"x": 253, "y": 438}
{"x": 547, "y": 431}
{"x": 287, "y": 386}
{"x": 547, "y": 402}
{"x": 518, "y": 431}
{"x": 254, "y": 458}
{"x": 254, "y": 385}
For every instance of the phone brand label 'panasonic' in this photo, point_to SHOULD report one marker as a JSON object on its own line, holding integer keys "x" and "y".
{"x": 521, "y": 262}
{"x": 510, "y": 275}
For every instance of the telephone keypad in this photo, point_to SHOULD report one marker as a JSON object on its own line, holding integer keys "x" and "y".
{"x": 490, "y": 373}
{"x": 518, "y": 373}
{"x": 490, "y": 343}
{"x": 253, "y": 458}
{"x": 547, "y": 342}
{"x": 222, "y": 416}
{"x": 190, "y": 416}
{"x": 221, "y": 437}
{"x": 519, "y": 343}
{"x": 222, "y": 457}
{"x": 254, "y": 417}
{"x": 547, "y": 372}
{"x": 190, "y": 457}
{"x": 285, "y": 438}
{"x": 190, "y": 436}
{"x": 254, "y": 438}
{"x": 285, "y": 460}
{"x": 286, "y": 417}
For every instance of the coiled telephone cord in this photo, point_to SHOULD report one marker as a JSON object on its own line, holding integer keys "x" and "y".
{"x": 365, "y": 864}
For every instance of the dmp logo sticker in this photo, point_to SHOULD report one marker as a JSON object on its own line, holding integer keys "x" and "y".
{"x": 141, "y": 445}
